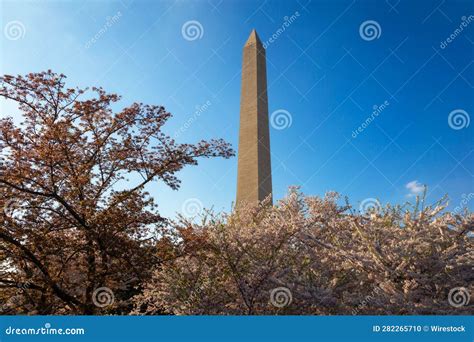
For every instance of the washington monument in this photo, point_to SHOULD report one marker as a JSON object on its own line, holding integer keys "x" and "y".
{"x": 254, "y": 176}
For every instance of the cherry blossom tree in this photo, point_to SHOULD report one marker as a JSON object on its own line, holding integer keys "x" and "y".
{"x": 308, "y": 255}
{"x": 76, "y": 216}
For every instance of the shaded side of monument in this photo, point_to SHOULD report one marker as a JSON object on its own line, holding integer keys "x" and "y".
{"x": 254, "y": 176}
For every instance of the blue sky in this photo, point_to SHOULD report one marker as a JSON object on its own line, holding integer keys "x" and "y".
{"x": 325, "y": 72}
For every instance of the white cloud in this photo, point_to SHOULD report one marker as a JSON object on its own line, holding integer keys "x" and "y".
{"x": 415, "y": 188}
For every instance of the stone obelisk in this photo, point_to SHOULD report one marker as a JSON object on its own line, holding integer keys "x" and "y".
{"x": 254, "y": 176}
